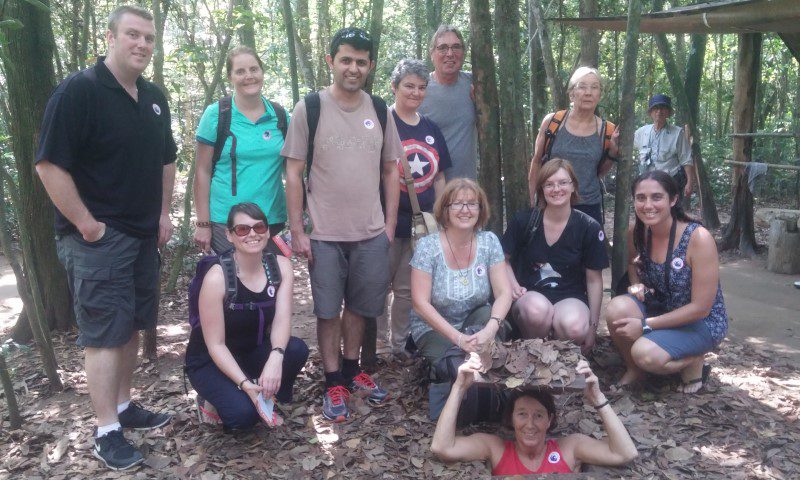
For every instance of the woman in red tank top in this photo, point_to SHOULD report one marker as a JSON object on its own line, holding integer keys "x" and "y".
{"x": 531, "y": 414}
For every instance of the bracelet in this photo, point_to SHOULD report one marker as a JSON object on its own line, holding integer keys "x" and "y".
{"x": 279, "y": 350}
{"x": 460, "y": 336}
{"x": 242, "y": 382}
{"x": 205, "y": 224}
{"x": 499, "y": 321}
{"x": 598, "y": 407}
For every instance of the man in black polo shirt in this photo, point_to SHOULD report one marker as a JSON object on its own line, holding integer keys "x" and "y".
{"x": 106, "y": 158}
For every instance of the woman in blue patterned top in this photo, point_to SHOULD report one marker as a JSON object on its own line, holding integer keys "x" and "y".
{"x": 674, "y": 312}
{"x": 453, "y": 274}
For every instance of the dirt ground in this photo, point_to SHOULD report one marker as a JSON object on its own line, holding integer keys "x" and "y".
{"x": 743, "y": 425}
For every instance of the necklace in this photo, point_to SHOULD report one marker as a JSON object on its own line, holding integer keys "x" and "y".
{"x": 464, "y": 278}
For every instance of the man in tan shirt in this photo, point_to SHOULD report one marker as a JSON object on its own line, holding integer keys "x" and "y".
{"x": 347, "y": 250}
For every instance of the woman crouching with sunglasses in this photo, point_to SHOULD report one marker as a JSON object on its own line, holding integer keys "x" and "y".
{"x": 239, "y": 358}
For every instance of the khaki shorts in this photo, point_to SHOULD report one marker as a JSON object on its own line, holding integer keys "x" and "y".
{"x": 356, "y": 272}
{"x": 114, "y": 285}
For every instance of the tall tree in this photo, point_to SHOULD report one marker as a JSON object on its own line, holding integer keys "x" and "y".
{"x": 28, "y": 63}
{"x": 557, "y": 92}
{"x": 687, "y": 115}
{"x": 246, "y": 19}
{"x": 288, "y": 20}
{"x": 486, "y": 104}
{"x": 590, "y": 39}
{"x": 375, "y": 31}
{"x": 740, "y": 232}
{"x": 538, "y": 79}
{"x": 694, "y": 75}
{"x": 513, "y": 128}
{"x": 619, "y": 259}
{"x": 323, "y": 39}
{"x": 303, "y": 44}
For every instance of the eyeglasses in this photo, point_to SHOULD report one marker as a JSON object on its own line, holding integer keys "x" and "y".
{"x": 561, "y": 184}
{"x": 457, "y": 206}
{"x": 595, "y": 87}
{"x": 456, "y": 48}
{"x": 243, "y": 230}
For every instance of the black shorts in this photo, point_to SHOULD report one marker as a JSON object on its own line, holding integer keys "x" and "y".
{"x": 114, "y": 284}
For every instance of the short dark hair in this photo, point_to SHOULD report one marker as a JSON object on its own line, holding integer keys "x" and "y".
{"x": 248, "y": 208}
{"x": 116, "y": 15}
{"x": 355, "y": 37}
{"x": 542, "y": 396}
{"x": 241, "y": 50}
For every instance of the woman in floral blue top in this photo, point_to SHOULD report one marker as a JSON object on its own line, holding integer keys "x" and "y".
{"x": 674, "y": 312}
{"x": 453, "y": 274}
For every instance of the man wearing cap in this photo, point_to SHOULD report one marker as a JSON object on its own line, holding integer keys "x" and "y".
{"x": 662, "y": 146}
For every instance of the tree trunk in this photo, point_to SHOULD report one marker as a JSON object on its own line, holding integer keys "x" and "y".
{"x": 303, "y": 44}
{"x": 694, "y": 75}
{"x": 513, "y": 131}
{"x": 687, "y": 108}
{"x": 538, "y": 79}
{"x": 486, "y": 105}
{"x": 553, "y": 80}
{"x": 375, "y": 30}
{"x": 323, "y": 38}
{"x": 590, "y": 39}
{"x": 740, "y": 232}
{"x": 433, "y": 12}
{"x": 21, "y": 332}
{"x": 247, "y": 33}
{"x": 8, "y": 389}
{"x": 619, "y": 260}
{"x": 288, "y": 20}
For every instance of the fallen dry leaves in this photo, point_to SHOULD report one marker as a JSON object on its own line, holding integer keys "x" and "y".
{"x": 745, "y": 425}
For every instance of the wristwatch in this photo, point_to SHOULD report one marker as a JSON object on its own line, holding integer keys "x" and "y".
{"x": 645, "y": 327}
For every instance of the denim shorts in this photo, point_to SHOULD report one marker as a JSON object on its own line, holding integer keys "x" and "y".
{"x": 679, "y": 342}
{"x": 356, "y": 272}
{"x": 114, "y": 285}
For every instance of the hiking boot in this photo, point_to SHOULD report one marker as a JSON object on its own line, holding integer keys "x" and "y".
{"x": 363, "y": 386}
{"x": 116, "y": 451}
{"x": 334, "y": 404}
{"x": 137, "y": 418}
{"x": 206, "y": 412}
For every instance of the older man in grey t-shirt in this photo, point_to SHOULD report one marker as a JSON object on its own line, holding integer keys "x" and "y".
{"x": 449, "y": 102}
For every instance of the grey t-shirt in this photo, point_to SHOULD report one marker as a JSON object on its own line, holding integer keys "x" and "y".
{"x": 584, "y": 153}
{"x": 452, "y": 109}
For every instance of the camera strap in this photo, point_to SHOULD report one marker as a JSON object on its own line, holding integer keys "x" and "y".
{"x": 670, "y": 248}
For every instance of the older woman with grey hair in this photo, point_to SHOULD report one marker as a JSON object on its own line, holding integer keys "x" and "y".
{"x": 578, "y": 135}
{"x": 428, "y": 157}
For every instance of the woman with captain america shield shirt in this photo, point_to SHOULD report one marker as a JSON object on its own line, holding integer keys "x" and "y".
{"x": 427, "y": 155}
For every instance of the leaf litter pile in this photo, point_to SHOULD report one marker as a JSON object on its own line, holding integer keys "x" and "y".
{"x": 531, "y": 363}
{"x": 744, "y": 424}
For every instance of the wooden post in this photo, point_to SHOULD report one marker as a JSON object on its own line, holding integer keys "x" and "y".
{"x": 740, "y": 233}
{"x": 784, "y": 245}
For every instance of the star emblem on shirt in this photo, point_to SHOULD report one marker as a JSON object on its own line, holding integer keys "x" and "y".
{"x": 417, "y": 165}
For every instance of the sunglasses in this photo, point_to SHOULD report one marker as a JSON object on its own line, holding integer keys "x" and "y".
{"x": 243, "y": 230}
